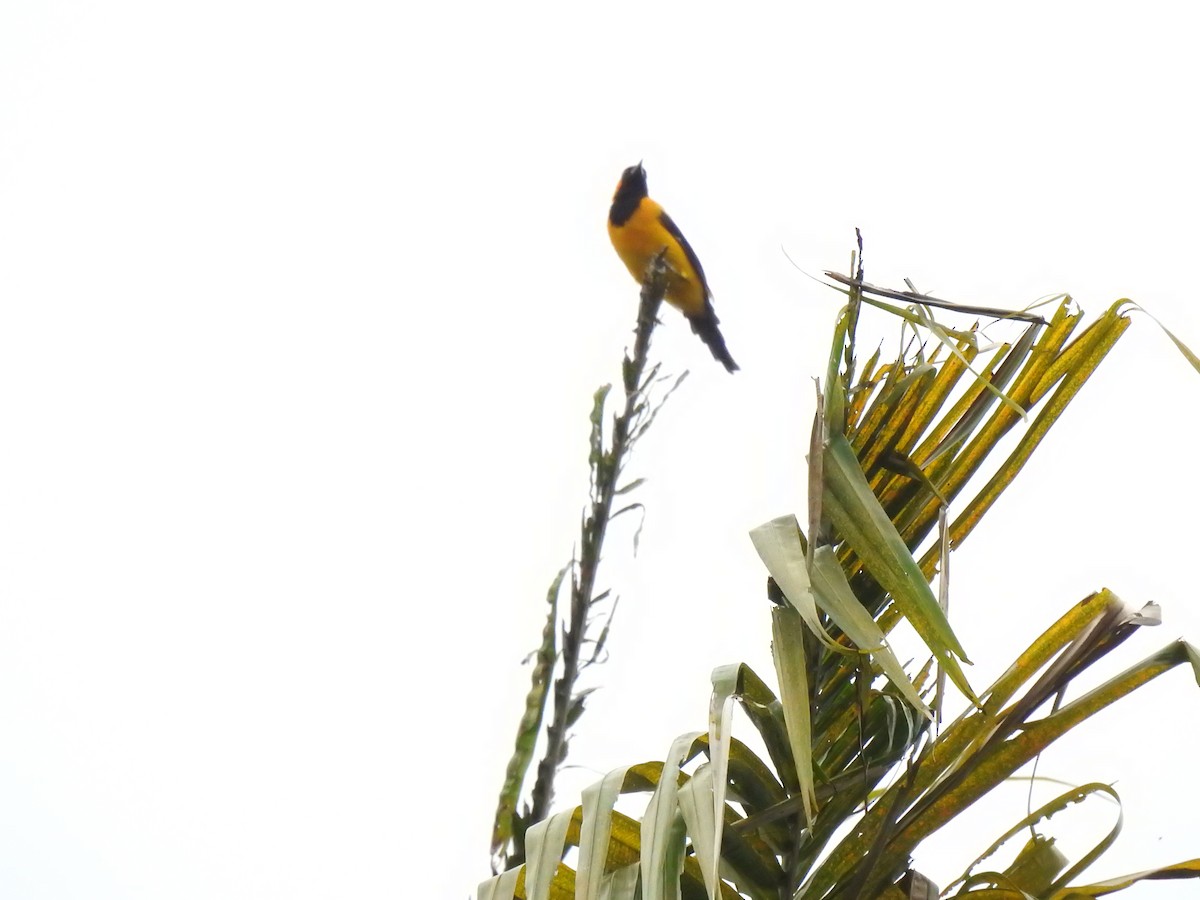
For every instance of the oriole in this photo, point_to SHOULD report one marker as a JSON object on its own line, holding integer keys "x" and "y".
{"x": 640, "y": 230}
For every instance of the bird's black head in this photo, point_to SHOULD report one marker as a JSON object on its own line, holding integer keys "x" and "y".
{"x": 633, "y": 181}
{"x": 630, "y": 191}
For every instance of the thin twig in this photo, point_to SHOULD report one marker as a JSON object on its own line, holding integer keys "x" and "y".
{"x": 994, "y": 312}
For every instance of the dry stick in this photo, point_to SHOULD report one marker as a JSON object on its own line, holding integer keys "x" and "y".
{"x": 606, "y": 468}
{"x": 924, "y": 299}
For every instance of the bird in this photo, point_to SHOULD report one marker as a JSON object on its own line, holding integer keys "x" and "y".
{"x": 640, "y": 230}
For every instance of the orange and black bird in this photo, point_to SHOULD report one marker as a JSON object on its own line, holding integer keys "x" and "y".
{"x": 640, "y": 231}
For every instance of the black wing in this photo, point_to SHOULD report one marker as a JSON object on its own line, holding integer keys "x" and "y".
{"x": 669, "y": 224}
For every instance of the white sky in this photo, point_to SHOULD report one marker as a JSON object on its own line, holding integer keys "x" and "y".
{"x": 303, "y": 305}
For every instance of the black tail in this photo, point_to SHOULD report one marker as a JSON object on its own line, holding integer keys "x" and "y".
{"x": 706, "y": 326}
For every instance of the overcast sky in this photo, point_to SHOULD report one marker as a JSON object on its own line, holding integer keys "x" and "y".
{"x": 303, "y": 307}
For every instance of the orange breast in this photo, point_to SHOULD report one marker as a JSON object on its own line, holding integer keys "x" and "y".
{"x": 641, "y": 239}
